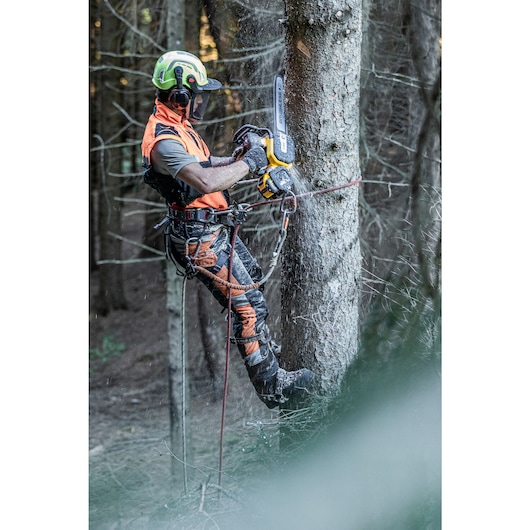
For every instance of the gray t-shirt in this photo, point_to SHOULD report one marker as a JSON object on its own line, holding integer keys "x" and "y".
{"x": 169, "y": 157}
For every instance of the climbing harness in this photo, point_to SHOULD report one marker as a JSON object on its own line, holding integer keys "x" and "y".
{"x": 237, "y": 216}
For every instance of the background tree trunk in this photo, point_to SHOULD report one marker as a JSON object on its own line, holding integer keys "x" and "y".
{"x": 211, "y": 336}
{"x": 426, "y": 176}
{"x": 106, "y": 165}
{"x": 322, "y": 261}
{"x": 179, "y": 387}
{"x": 178, "y": 380}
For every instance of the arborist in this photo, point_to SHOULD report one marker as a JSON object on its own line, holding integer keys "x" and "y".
{"x": 178, "y": 165}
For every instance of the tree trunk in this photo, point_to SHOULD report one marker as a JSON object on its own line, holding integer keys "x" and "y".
{"x": 175, "y": 24}
{"x": 152, "y": 238}
{"x": 178, "y": 380}
{"x": 211, "y": 339}
{"x": 322, "y": 261}
{"x": 93, "y": 126}
{"x": 111, "y": 289}
{"x": 111, "y": 293}
{"x": 176, "y": 290}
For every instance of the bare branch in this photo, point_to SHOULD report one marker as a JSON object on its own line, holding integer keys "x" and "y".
{"x": 395, "y": 78}
{"x": 138, "y": 201}
{"x": 124, "y": 175}
{"x": 116, "y": 146}
{"x": 119, "y": 69}
{"x": 272, "y": 48}
{"x": 127, "y": 261}
{"x": 134, "y": 29}
{"x": 136, "y": 244}
{"x": 127, "y": 115}
{"x": 236, "y": 116}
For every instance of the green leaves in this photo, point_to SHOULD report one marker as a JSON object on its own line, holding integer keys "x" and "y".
{"x": 110, "y": 347}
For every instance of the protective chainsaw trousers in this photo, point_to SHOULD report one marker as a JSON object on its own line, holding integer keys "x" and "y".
{"x": 192, "y": 244}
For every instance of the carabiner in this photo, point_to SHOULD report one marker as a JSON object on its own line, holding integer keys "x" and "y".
{"x": 288, "y": 196}
{"x": 238, "y": 213}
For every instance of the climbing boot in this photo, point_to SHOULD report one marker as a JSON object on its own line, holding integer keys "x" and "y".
{"x": 273, "y": 384}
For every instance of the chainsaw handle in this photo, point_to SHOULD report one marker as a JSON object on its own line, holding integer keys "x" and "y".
{"x": 242, "y": 132}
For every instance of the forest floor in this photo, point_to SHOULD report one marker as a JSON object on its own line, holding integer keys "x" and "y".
{"x": 130, "y": 462}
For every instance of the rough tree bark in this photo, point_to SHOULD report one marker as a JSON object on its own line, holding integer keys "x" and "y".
{"x": 321, "y": 260}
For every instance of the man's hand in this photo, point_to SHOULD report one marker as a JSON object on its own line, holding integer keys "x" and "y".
{"x": 237, "y": 153}
{"x": 252, "y": 140}
{"x": 256, "y": 159}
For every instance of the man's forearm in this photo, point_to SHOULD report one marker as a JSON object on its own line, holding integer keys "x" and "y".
{"x": 217, "y": 161}
{"x": 211, "y": 179}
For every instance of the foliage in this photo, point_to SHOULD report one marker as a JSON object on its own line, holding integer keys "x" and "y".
{"x": 110, "y": 347}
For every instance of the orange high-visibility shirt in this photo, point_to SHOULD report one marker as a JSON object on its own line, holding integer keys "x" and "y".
{"x": 163, "y": 124}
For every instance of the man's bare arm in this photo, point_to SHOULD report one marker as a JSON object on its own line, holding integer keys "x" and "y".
{"x": 217, "y": 161}
{"x": 211, "y": 179}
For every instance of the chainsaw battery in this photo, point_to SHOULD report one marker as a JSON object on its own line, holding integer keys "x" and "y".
{"x": 275, "y": 183}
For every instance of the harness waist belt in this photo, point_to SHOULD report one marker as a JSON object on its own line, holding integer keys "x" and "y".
{"x": 201, "y": 215}
{"x": 194, "y": 215}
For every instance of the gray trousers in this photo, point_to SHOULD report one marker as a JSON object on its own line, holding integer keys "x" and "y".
{"x": 209, "y": 246}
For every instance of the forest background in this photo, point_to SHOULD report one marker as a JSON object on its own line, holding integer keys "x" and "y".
{"x": 67, "y": 267}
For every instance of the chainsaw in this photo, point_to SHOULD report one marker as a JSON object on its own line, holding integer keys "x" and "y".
{"x": 279, "y": 147}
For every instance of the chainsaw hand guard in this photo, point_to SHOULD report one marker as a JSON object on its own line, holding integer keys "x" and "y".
{"x": 240, "y": 136}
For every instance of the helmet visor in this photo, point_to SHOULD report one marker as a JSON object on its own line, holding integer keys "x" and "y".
{"x": 199, "y": 102}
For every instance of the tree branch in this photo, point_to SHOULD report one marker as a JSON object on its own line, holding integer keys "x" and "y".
{"x": 133, "y": 28}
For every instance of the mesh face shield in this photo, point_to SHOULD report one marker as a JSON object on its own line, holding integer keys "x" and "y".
{"x": 199, "y": 102}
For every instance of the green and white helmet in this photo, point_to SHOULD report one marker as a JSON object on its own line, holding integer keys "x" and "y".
{"x": 192, "y": 72}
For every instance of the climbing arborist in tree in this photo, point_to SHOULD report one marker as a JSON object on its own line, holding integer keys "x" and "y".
{"x": 177, "y": 163}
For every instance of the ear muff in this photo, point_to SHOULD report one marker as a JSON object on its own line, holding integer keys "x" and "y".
{"x": 179, "y": 95}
